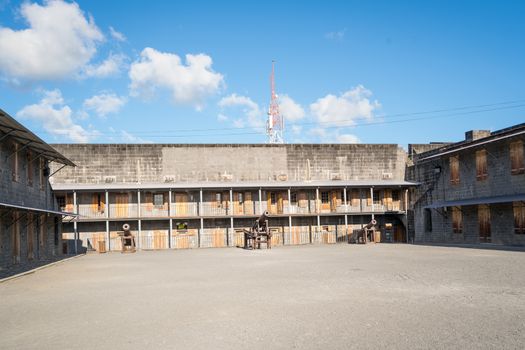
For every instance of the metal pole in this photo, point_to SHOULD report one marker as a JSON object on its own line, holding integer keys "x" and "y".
{"x": 289, "y": 216}
{"x": 170, "y": 232}
{"x": 107, "y": 218}
{"x": 75, "y": 228}
{"x": 202, "y": 221}
{"x": 260, "y": 200}
{"x": 231, "y": 218}
{"x": 372, "y": 197}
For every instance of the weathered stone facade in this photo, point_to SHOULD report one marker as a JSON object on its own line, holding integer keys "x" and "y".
{"x": 167, "y": 163}
{"x": 498, "y": 186}
{"x": 314, "y": 193}
{"x": 30, "y": 229}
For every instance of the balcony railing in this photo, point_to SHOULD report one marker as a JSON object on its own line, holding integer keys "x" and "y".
{"x": 123, "y": 210}
{"x": 88, "y": 212}
{"x": 213, "y": 209}
{"x": 148, "y": 210}
{"x": 184, "y": 209}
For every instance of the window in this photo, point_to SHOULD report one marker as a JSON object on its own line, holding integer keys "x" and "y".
{"x": 395, "y": 196}
{"x": 29, "y": 168}
{"x": 240, "y": 198}
{"x": 57, "y": 230}
{"x": 516, "y": 158}
{"x": 427, "y": 216}
{"x": 98, "y": 202}
{"x": 377, "y": 198}
{"x": 324, "y": 197}
{"x": 273, "y": 198}
{"x": 61, "y": 202}
{"x": 519, "y": 218}
{"x": 218, "y": 199}
{"x": 454, "y": 170}
{"x": 457, "y": 220}
{"x": 158, "y": 200}
{"x": 293, "y": 198}
{"x": 484, "y": 223}
{"x": 14, "y": 164}
{"x": 42, "y": 178}
{"x": 481, "y": 165}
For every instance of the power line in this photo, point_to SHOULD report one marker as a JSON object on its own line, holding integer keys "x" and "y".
{"x": 331, "y": 125}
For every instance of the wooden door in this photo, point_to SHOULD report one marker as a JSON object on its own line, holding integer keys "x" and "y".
{"x": 484, "y": 223}
{"x": 15, "y": 238}
{"x": 248, "y": 203}
{"x": 335, "y": 199}
{"x": 387, "y": 199}
{"x": 181, "y": 204}
{"x": 280, "y": 202}
{"x": 121, "y": 200}
{"x": 238, "y": 206}
{"x": 30, "y": 237}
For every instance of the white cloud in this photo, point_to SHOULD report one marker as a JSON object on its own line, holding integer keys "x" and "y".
{"x": 116, "y": 35}
{"x": 222, "y": 117}
{"x": 189, "y": 83}
{"x": 347, "y": 138}
{"x": 290, "y": 110}
{"x": 130, "y": 138}
{"x": 352, "y": 105}
{"x": 252, "y": 114}
{"x": 337, "y": 35}
{"x": 323, "y": 135}
{"x": 55, "y": 117}
{"x": 109, "y": 67}
{"x": 58, "y": 42}
{"x": 296, "y": 129}
{"x": 105, "y": 103}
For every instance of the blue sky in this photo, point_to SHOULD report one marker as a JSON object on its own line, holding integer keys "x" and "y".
{"x": 346, "y": 71}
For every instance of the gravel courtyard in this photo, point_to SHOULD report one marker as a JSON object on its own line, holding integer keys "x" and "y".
{"x": 307, "y": 297}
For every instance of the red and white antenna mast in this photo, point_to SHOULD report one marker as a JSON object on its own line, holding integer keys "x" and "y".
{"x": 275, "y": 124}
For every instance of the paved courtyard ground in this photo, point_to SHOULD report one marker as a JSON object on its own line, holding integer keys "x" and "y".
{"x": 306, "y": 297}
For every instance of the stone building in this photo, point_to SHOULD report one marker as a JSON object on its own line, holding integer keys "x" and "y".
{"x": 30, "y": 225}
{"x": 194, "y": 195}
{"x": 471, "y": 191}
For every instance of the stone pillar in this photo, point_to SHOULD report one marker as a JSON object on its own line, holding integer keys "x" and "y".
{"x": 75, "y": 228}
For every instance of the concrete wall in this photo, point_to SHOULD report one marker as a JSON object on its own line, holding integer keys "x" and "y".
{"x": 436, "y": 187}
{"x": 156, "y": 163}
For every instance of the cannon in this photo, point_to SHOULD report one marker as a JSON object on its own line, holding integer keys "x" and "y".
{"x": 259, "y": 233}
{"x": 127, "y": 239}
{"x": 367, "y": 230}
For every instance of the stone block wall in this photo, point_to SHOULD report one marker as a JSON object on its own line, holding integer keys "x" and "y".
{"x": 158, "y": 163}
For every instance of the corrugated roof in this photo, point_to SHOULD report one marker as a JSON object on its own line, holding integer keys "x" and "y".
{"x": 221, "y": 185}
{"x": 15, "y": 130}
{"x": 21, "y": 207}
{"x": 477, "y": 201}
{"x": 515, "y": 130}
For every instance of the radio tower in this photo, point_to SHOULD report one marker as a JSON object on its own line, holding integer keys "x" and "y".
{"x": 275, "y": 124}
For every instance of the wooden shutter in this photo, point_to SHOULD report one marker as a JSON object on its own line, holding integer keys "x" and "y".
{"x": 69, "y": 203}
{"x": 368, "y": 199}
{"x": 94, "y": 202}
{"x": 481, "y": 164}
{"x": 484, "y": 222}
{"x": 519, "y": 217}
{"x": 355, "y": 197}
{"x": 454, "y": 170}
{"x": 30, "y": 237}
{"x": 457, "y": 220}
{"x": 516, "y": 158}
{"x": 302, "y": 199}
{"x": 148, "y": 198}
